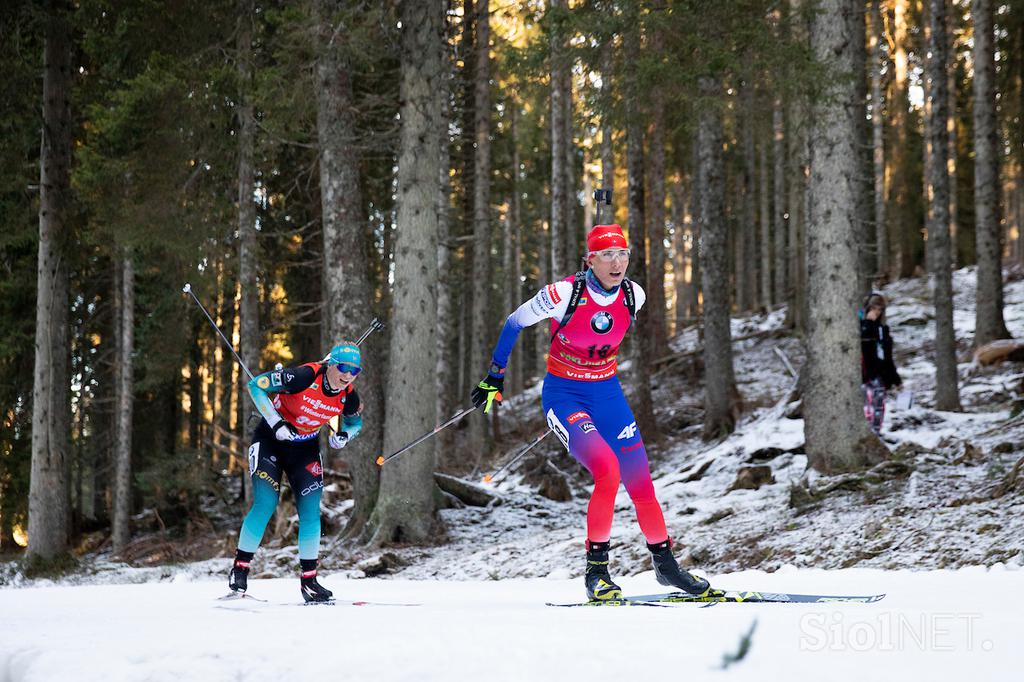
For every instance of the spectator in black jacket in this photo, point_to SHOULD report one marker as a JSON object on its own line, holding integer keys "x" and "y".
{"x": 878, "y": 372}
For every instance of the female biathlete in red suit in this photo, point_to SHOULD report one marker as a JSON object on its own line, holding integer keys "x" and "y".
{"x": 584, "y": 403}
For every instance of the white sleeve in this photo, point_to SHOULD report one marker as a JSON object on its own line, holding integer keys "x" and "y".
{"x": 550, "y": 302}
{"x": 639, "y": 295}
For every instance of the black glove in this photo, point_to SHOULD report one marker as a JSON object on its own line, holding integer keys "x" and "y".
{"x": 487, "y": 391}
{"x": 284, "y": 431}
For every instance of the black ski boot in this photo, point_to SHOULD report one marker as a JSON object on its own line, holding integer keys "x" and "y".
{"x": 668, "y": 573}
{"x": 599, "y": 582}
{"x": 312, "y": 591}
{"x": 238, "y": 579}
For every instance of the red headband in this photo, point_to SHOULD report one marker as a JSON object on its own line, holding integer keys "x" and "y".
{"x": 606, "y": 237}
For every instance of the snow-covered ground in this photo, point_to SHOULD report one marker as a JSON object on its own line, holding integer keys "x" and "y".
{"x": 928, "y": 531}
{"x": 948, "y": 625}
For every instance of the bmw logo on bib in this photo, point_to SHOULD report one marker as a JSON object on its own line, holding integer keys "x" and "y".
{"x": 601, "y": 322}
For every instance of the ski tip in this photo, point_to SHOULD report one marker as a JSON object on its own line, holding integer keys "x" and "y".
{"x": 380, "y": 461}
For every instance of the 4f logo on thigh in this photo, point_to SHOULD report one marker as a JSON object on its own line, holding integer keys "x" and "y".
{"x": 627, "y": 432}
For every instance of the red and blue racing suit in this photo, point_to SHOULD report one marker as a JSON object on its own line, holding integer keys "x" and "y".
{"x": 583, "y": 400}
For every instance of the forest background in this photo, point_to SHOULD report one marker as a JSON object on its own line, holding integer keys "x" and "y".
{"x": 308, "y": 166}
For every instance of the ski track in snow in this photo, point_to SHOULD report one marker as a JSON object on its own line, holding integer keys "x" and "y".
{"x": 483, "y": 590}
{"x": 931, "y": 625}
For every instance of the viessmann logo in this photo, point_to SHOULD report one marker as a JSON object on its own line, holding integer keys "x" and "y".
{"x": 318, "y": 404}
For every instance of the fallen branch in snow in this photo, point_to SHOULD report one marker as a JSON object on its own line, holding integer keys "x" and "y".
{"x": 464, "y": 491}
{"x": 998, "y": 351}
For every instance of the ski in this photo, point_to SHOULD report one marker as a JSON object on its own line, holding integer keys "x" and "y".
{"x": 343, "y": 602}
{"x": 729, "y": 596}
{"x": 738, "y": 596}
{"x": 611, "y": 602}
{"x": 239, "y": 596}
{"x": 234, "y": 596}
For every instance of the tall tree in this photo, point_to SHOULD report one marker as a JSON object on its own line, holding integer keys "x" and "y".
{"x": 607, "y": 132}
{"x": 640, "y": 343}
{"x": 559, "y": 109}
{"x": 249, "y": 344}
{"x": 655, "y": 306}
{"x": 405, "y": 506}
{"x": 939, "y": 249}
{"x": 952, "y": 84}
{"x": 479, "y": 338}
{"x": 721, "y": 399}
{"x": 125, "y": 384}
{"x": 878, "y": 66}
{"x": 448, "y": 388}
{"x": 346, "y": 279}
{"x": 681, "y": 257}
{"x": 989, "y": 324}
{"x": 837, "y": 435}
{"x": 48, "y": 498}
{"x": 767, "y": 298}
{"x": 779, "y": 203}
{"x": 514, "y": 244}
{"x": 746, "y": 270}
{"x": 898, "y": 108}
{"x": 865, "y": 186}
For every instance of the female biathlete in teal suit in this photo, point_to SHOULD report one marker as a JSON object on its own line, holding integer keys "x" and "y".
{"x": 295, "y": 403}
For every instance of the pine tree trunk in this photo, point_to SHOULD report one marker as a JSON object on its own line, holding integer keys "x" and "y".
{"x": 721, "y": 398}
{"x": 513, "y": 252}
{"x": 766, "y": 231}
{"x": 572, "y": 233}
{"x": 904, "y": 224}
{"x": 49, "y": 513}
{"x": 837, "y": 435}
{"x": 607, "y": 150}
{"x": 123, "y": 450}
{"x": 559, "y": 190}
{"x": 746, "y": 271}
{"x": 406, "y": 503}
{"x": 462, "y": 271}
{"x": 510, "y": 301}
{"x": 654, "y": 309}
{"x": 779, "y": 203}
{"x": 937, "y": 178}
{"x": 680, "y": 260}
{"x": 878, "y": 63}
{"x": 797, "y": 156}
{"x": 607, "y": 131}
{"x": 864, "y": 188}
{"x": 952, "y": 141}
{"x": 518, "y": 371}
{"x": 249, "y": 338}
{"x": 696, "y": 241}
{"x": 229, "y": 372}
{"x": 989, "y": 324}
{"x": 346, "y": 279}
{"x": 542, "y": 332}
{"x": 640, "y": 343}
{"x": 448, "y": 389}
{"x": 481, "y": 290}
